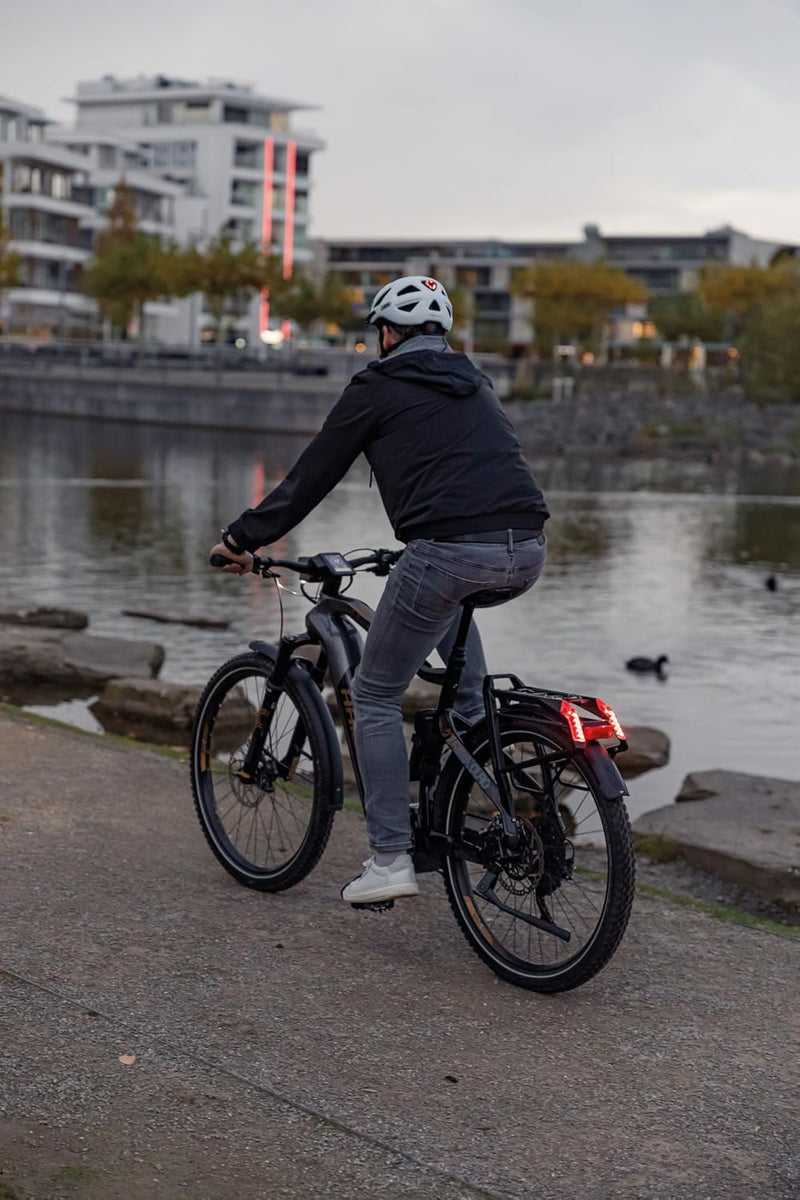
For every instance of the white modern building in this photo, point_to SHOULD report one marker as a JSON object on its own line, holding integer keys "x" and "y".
{"x": 158, "y": 206}
{"x": 234, "y": 151}
{"x": 43, "y": 205}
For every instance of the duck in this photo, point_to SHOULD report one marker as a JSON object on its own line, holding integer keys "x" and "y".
{"x": 644, "y": 665}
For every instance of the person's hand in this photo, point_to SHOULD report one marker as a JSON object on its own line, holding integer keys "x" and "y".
{"x": 240, "y": 564}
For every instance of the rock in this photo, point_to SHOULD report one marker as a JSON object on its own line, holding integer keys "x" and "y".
{"x": 699, "y": 785}
{"x": 148, "y": 614}
{"x": 648, "y": 748}
{"x": 746, "y": 830}
{"x": 155, "y": 711}
{"x": 70, "y": 663}
{"x": 43, "y": 614}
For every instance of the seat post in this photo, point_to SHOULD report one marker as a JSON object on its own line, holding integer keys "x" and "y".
{"x": 457, "y": 658}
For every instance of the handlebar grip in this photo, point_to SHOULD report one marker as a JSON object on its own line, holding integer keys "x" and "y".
{"x": 220, "y": 560}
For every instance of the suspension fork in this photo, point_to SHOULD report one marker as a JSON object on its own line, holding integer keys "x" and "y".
{"x": 272, "y": 693}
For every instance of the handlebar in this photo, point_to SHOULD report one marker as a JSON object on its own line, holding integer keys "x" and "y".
{"x": 319, "y": 568}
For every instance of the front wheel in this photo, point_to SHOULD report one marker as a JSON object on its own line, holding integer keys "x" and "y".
{"x": 572, "y": 869}
{"x": 267, "y": 827}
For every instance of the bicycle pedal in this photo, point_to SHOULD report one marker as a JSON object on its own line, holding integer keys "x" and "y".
{"x": 376, "y": 906}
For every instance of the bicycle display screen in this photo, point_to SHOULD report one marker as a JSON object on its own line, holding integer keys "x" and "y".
{"x": 336, "y": 563}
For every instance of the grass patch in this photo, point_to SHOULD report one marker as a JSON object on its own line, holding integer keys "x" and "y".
{"x": 73, "y": 1175}
{"x": 722, "y": 912}
{"x": 657, "y": 849}
{"x": 7, "y": 1192}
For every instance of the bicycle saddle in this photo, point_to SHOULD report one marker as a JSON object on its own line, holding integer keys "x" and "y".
{"x": 489, "y": 596}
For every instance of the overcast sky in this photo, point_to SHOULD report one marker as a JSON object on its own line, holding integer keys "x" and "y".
{"x": 477, "y": 118}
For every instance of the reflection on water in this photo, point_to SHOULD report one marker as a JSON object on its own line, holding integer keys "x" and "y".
{"x": 644, "y": 558}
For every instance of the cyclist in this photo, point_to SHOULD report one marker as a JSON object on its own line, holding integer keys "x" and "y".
{"x": 457, "y": 489}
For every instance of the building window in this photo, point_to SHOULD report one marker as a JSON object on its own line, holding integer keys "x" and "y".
{"x": 301, "y": 203}
{"x": 174, "y": 154}
{"x": 164, "y": 113}
{"x": 248, "y": 155}
{"x": 107, "y": 156}
{"x": 279, "y": 161}
{"x": 302, "y": 163}
{"x": 280, "y": 122}
{"x": 243, "y": 192}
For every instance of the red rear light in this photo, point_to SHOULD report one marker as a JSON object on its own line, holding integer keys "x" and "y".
{"x": 569, "y": 712}
{"x": 593, "y": 733}
{"x": 612, "y": 719}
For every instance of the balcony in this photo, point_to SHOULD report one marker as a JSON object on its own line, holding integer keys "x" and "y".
{"x": 44, "y": 203}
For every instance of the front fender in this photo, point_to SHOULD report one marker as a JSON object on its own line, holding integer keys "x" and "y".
{"x": 311, "y": 697}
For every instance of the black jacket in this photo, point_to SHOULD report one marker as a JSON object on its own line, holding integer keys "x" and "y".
{"x": 445, "y": 456}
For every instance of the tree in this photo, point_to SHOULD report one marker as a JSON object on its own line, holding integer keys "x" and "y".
{"x": 685, "y": 315}
{"x": 761, "y": 308}
{"x": 10, "y": 261}
{"x": 129, "y": 267}
{"x": 573, "y": 300}
{"x": 735, "y": 292}
{"x": 332, "y": 301}
{"x": 228, "y": 273}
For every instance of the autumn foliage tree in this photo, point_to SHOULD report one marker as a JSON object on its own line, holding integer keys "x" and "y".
{"x": 573, "y": 300}
{"x": 10, "y": 261}
{"x": 761, "y": 308}
{"x": 128, "y": 267}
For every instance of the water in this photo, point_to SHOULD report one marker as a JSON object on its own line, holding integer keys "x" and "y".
{"x": 645, "y": 558}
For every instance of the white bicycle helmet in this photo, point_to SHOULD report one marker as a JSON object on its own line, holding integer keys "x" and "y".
{"x": 412, "y": 300}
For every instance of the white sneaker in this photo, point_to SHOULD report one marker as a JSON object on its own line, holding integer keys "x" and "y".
{"x": 382, "y": 883}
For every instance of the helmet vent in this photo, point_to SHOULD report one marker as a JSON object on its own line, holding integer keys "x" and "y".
{"x": 410, "y": 289}
{"x": 435, "y": 306}
{"x": 408, "y": 307}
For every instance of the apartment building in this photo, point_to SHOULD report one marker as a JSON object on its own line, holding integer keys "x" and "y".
{"x": 159, "y": 207}
{"x": 479, "y": 271}
{"x": 43, "y": 205}
{"x": 482, "y": 270}
{"x": 234, "y": 151}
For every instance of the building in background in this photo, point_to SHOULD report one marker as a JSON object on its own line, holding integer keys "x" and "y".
{"x": 234, "y": 151}
{"x": 42, "y": 198}
{"x": 158, "y": 206}
{"x": 482, "y": 272}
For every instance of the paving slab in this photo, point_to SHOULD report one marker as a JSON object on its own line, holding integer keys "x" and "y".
{"x": 286, "y": 1045}
{"x": 742, "y": 828}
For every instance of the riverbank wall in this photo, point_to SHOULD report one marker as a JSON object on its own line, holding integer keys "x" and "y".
{"x": 627, "y": 418}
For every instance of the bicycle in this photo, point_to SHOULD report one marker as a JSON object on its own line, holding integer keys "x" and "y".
{"x": 522, "y": 813}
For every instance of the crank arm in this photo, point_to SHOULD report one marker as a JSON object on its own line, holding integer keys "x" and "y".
{"x": 485, "y": 889}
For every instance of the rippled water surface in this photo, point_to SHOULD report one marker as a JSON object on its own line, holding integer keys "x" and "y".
{"x": 645, "y": 558}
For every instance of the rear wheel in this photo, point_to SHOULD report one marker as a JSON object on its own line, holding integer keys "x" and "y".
{"x": 573, "y": 867}
{"x": 268, "y": 830}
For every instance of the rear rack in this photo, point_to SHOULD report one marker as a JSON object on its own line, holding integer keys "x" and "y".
{"x": 564, "y": 706}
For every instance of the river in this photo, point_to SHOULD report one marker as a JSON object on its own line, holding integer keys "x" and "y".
{"x": 644, "y": 558}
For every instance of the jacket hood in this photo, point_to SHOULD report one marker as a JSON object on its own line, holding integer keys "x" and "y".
{"x": 452, "y": 374}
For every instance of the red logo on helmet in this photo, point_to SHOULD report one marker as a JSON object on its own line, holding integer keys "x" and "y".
{"x": 430, "y": 283}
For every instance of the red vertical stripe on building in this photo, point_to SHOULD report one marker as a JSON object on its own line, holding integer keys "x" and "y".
{"x": 288, "y": 218}
{"x": 266, "y": 222}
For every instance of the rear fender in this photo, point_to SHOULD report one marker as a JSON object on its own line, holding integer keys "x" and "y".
{"x": 596, "y": 761}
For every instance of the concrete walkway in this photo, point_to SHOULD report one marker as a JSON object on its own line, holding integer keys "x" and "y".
{"x": 287, "y": 1046}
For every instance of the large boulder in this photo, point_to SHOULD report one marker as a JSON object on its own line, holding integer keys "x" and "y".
{"x": 66, "y": 663}
{"x": 155, "y": 711}
{"x": 648, "y": 748}
{"x": 43, "y": 614}
{"x": 743, "y": 828}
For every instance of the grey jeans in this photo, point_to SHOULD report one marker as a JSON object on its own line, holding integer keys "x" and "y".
{"x": 419, "y": 611}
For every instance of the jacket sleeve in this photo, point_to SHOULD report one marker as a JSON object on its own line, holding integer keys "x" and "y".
{"x": 345, "y": 434}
